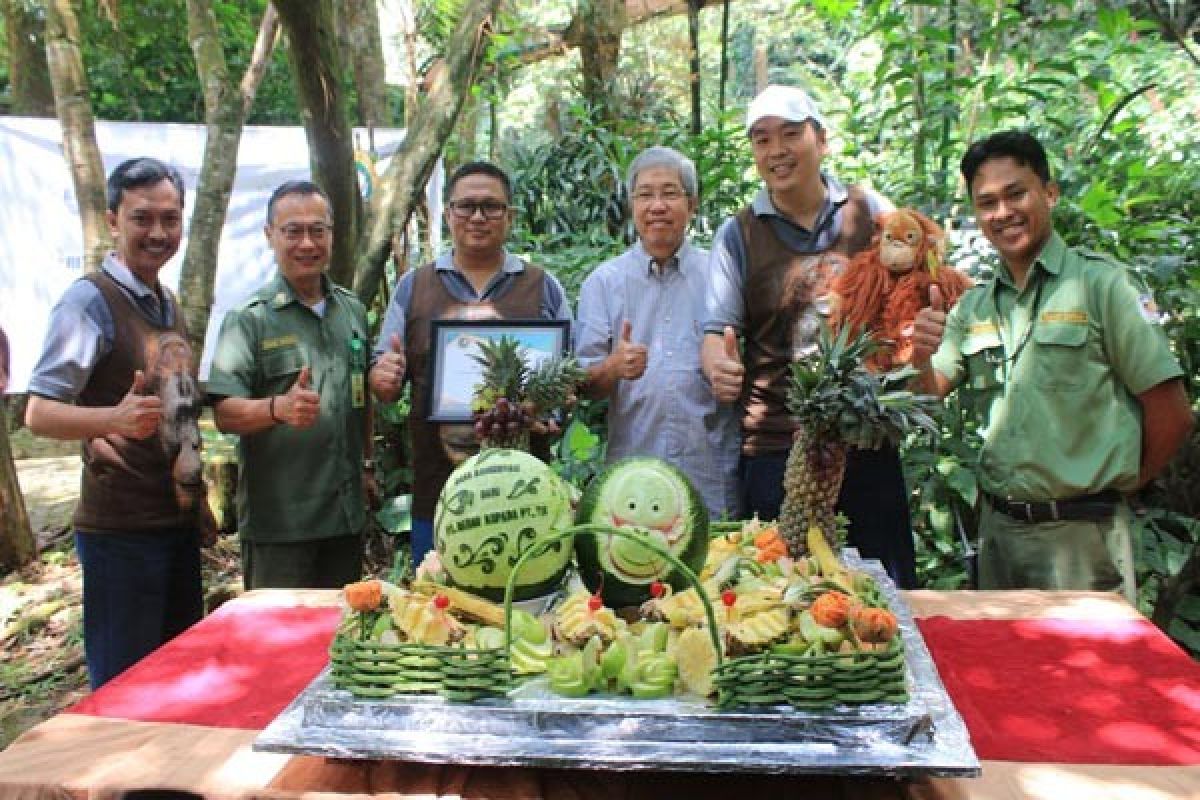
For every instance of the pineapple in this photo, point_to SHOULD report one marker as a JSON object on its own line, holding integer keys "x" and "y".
{"x": 839, "y": 404}
{"x": 510, "y": 396}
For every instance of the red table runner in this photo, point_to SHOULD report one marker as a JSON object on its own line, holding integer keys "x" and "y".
{"x": 1070, "y": 691}
{"x": 1084, "y": 692}
{"x": 239, "y": 667}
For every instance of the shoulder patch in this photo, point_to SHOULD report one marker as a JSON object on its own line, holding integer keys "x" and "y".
{"x": 1149, "y": 309}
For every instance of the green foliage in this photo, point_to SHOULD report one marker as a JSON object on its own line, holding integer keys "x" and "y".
{"x": 143, "y": 68}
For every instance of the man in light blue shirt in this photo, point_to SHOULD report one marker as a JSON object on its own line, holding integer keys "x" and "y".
{"x": 640, "y": 334}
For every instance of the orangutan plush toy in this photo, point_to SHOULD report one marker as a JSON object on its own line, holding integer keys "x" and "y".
{"x": 883, "y": 287}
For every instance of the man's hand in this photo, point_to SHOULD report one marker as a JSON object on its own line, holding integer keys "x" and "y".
{"x": 137, "y": 416}
{"x": 301, "y": 406}
{"x": 726, "y": 371}
{"x": 928, "y": 329}
{"x": 628, "y": 360}
{"x": 387, "y": 376}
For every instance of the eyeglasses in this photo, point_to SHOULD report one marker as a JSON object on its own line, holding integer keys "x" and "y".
{"x": 318, "y": 232}
{"x": 647, "y": 196}
{"x": 465, "y": 209}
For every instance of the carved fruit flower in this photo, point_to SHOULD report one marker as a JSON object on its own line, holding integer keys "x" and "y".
{"x": 832, "y": 609}
{"x": 364, "y": 595}
{"x": 873, "y": 624}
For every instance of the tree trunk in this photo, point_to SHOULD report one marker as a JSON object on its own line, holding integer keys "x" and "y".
{"x": 225, "y": 109}
{"x": 74, "y": 111}
{"x": 28, "y": 72}
{"x": 596, "y": 30}
{"x": 17, "y": 545}
{"x": 316, "y": 70}
{"x": 403, "y": 184}
{"x": 694, "y": 63}
{"x": 366, "y": 55}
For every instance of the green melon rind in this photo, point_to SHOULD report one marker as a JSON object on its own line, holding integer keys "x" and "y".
{"x": 616, "y": 592}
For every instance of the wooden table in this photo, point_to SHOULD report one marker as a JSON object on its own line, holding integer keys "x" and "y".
{"x": 82, "y": 756}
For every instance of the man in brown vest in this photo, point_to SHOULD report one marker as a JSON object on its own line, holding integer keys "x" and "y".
{"x": 772, "y": 265}
{"x": 478, "y": 279}
{"x": 140, "y": 550}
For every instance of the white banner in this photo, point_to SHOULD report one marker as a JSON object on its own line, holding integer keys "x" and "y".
{"x": 41, "y": 242}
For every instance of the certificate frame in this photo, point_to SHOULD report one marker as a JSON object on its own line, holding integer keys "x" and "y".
{"x": 453, "y": 374}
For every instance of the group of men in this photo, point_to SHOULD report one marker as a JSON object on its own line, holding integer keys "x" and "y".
{"x": 1083, "y": 399}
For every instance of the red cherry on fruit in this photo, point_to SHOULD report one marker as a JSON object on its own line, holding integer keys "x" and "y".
{"x": 657, "y": 589}
{"x": 595, "y": 603}
{"x": 441, "y": 602}
{"x": 729, "y": 597}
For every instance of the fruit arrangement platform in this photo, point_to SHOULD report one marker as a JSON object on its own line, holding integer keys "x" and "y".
{"x": 535, "y": 727}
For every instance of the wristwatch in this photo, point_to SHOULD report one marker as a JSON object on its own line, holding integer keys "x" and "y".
{"x": 369, "y": 464}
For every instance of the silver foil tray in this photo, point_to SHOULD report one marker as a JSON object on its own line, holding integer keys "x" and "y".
{"x": 534, "y": 727}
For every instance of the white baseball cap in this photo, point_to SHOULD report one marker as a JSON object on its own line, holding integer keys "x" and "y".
{"x": 785, "y": 102}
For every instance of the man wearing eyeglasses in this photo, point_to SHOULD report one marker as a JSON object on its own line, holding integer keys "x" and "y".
{"x": 289, "y": 376}
{"x": 772, "y": 266}
{"x": 477, "y": 279}
{"x": 639, "y": 337}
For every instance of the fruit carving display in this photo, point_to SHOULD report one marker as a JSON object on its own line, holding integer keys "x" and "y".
{"x": 838, "y": 403}
{"x": 656, "y": 499}
{"x": 511, "y": 397}
{"x": 494, "y": 507}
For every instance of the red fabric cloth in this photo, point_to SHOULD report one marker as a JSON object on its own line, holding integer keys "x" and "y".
{"x": 1070, "y": 691}
{"x": 237, "y": 668}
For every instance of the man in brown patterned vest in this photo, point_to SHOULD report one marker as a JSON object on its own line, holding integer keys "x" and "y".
{"x": 138, "y": 545}
{"x": 478, "y": 279}
{"x": 772, "y": 264}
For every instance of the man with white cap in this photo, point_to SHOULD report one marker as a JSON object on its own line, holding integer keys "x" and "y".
{"x": 772, "y": 264}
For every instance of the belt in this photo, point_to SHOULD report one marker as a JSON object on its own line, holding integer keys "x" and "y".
{"x": 1091, "y": 507}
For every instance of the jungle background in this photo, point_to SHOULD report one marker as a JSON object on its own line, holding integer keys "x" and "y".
{"x": 563, "y": 94}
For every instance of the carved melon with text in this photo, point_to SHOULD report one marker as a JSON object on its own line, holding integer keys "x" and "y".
{"x": 494, "y": 508}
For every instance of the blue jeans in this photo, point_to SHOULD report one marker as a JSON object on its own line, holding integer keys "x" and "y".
{"x": 139, "y": 591}
{"x": 421, "y": 539}
{"x": 873, "y": 497}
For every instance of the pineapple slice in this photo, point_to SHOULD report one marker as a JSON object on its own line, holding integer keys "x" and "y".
{"x": 696, "y": 659}
{"x": 580, "y": 617}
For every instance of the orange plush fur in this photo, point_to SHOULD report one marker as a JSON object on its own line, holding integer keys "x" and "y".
{"x": 883, "y": 287}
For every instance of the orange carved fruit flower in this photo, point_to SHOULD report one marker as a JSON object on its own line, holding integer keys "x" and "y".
{"x": 831, "y": 609}
{"x": 874, "y": 624}
{"x": 364, "y": 595}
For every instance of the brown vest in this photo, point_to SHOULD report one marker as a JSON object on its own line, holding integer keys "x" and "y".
{"x": 430, "y": 300}
{"x": 127, "y": 484}
{"x": 781, "y": 293}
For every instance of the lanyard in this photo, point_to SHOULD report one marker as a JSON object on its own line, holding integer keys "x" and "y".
{"x": 1009, "y": 362}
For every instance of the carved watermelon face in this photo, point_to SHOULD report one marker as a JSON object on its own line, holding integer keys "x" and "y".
{"x": 655, "y": 499}
{"x": 494, "y": 508}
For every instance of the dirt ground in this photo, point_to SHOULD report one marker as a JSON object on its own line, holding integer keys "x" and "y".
{"x": 41, "y": 641}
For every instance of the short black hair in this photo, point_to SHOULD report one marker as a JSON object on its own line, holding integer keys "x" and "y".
{"x": 137, "y": 173}
{"x": 305, "y": 188}
{"x": 1017, "y": 145}
{"x": 480, "y": 168}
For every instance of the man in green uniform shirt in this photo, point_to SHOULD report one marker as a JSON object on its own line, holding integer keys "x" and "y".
{"x": 1082, "y": 396}
{"x": 289, "y": 376}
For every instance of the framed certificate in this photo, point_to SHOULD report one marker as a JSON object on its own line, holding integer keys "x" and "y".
{"x": 454, "y": 373}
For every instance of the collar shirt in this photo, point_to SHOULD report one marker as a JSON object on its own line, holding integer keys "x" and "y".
{"x": 724, "y": 302}
{"x": 80, "y": 331}
{"x": 554, "y": 297}
{"x": 297, "y": 484}
{"x": 669, "y": 412}
{"x": 1056, "y": 367}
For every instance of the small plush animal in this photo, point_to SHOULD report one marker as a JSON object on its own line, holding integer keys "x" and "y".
{"x": 883, "y": 287}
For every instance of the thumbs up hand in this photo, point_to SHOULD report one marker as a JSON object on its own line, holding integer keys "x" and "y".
{"x": 928, "y": 328}
{"x": 628, "y": 359}
{"x": 137, "y": 416}
{"x": 387, "y": 375}
{"x": 301, "y": 406}
{"x": 727, "y": 371}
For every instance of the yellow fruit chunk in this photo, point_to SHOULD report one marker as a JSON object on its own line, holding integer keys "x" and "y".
{"x": 696, "y": 659}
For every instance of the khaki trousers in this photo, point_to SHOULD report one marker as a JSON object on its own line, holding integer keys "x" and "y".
{"x": 1068, "y": 554}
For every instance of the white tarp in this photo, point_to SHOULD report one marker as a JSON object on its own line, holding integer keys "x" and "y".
{"x": 41, "y": 242}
